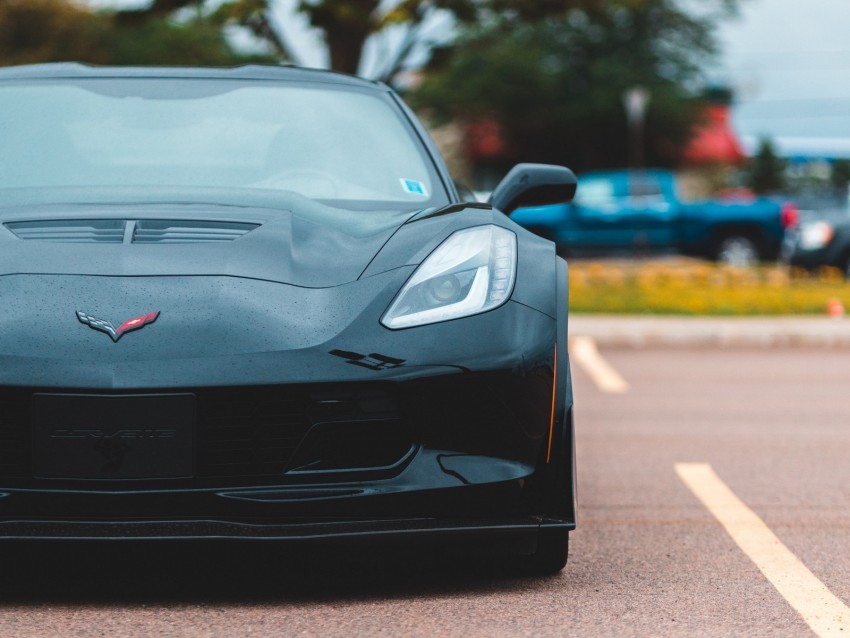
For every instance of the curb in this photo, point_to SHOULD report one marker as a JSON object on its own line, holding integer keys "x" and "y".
{"x": 639, "y": 331}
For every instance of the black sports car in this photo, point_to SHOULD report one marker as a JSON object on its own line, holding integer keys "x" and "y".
{"x": 250, "y": 304}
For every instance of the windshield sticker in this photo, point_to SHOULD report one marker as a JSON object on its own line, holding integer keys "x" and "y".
{"x": 413, "y": 187}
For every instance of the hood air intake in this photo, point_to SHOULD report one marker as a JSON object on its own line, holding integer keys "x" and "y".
{"x": 84, "y": 231}
{"x": 119, "y": 231}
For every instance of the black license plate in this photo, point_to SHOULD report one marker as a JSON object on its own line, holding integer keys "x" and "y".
{"x": 113, "y": 437}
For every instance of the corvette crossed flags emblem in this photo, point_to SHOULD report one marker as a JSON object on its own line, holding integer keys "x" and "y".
{"x": 116, "y": 333}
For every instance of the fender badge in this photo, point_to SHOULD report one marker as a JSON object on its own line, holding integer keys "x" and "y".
{"x": 127, "y": 326}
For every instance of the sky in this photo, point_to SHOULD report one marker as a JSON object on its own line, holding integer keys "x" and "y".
{"x": 788, "y": 60}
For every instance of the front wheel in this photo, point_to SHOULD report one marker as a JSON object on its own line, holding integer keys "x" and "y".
{"x": 550, "y": 557}
{"x": 738, "y": 251}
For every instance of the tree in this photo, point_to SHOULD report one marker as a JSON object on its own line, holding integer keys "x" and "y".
{"x": 49, "y": 31}
{"x": 767, "y": 170}
{"x": 34, "y": 31}
{"x": 193, "y": 42}
{"x": 348, "y": 24}
{"x": 555, "y": 87}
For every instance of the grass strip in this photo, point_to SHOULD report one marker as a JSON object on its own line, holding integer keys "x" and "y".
{"x": 690, "y": 287}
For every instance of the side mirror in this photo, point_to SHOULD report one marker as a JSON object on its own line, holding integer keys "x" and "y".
{"x": 534, "y": 185}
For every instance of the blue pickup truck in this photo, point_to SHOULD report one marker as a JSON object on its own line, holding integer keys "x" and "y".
{"x": 640, "y": 213}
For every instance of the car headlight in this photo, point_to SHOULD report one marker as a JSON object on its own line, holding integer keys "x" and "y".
{"x": 815, "y": 235}
{"x": 470, "y": 272}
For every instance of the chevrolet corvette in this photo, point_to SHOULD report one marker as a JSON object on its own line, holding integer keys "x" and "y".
{"x": 251, "y": 304}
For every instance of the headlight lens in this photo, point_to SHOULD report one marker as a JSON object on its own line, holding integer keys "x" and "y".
{"x": 815, "y": 235}
{"x": 470, "y": 272}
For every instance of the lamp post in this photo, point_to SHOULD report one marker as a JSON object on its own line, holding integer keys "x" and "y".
{"x": 635, "y": 101}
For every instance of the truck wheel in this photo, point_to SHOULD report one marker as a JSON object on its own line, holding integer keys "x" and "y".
{"x": 737, "y": 250}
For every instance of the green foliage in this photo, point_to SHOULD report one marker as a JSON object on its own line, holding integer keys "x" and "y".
{"x": 33, "y": 31}
{"x": 556, "y": 86}
{"x": 767, "y": 170}
{"x": 60, "y": 29}
{"x": 50, "y": 31}
{"x": 161, "y": 42}
{"x": 347, "y": 24}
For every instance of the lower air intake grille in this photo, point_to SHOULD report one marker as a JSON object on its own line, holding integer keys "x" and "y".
{"x": 15, "y": 433}
{"x": 256, "y": 431}
{"x": 249, "y": 431}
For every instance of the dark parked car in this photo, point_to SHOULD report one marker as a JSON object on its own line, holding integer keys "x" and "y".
{"x": 250, "y": 304}
{"x": 639, "y": 212}
{"x": 823, "y": 239}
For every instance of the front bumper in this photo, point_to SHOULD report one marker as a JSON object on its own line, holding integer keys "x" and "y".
{"x": 464, "y": 458}
{"x": 519, "y": 535}
{"x": 453, "y": 425}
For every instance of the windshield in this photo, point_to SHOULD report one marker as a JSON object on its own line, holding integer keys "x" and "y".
{"x": 343, "y": 147}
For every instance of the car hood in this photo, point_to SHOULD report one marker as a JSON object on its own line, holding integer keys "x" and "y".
{"x": 311, "y": 246}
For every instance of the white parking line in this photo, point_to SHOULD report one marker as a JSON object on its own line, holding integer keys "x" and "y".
{"x": 584, "y": 352}
{"x": 819, "y": 607}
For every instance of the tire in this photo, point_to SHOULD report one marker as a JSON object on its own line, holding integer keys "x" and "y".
{"x": 738, "y": 251}
{"x": 550, "y": 557}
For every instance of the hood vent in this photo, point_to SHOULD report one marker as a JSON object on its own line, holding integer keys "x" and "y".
{"x": 167, "y": 231}
{"x": 84, "y": 231}
{"x": 119, "y": 231}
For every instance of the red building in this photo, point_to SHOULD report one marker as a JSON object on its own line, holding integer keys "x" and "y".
{"x": 714, "y": 142}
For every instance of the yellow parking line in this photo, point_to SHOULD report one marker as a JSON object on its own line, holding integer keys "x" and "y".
{"x": 819, "y": 607}
{"x": 584, "y": 352}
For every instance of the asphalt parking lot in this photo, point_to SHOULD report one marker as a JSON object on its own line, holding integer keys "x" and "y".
{"x": 660, "y": 451}
{"x": 772, "y": 424}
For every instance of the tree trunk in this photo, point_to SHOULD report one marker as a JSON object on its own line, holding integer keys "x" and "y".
{"x": 347, "y": 24}
{"x": 345, "y": 46}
